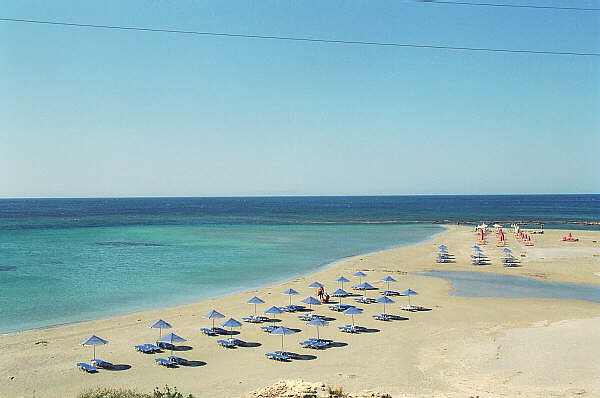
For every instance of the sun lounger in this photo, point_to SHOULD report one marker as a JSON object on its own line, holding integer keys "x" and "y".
{"x": 321, "y": 340}
{"x": 219, "y": 330}
{"x": 208, "y": 332}
{"x": 152, "y": 347}
{"x": 288, "y": 354}
{"x": 348, "y": 329}
{"x": 268, "y": 329}
{"x": 339, "y": 307}
{"x": 382, "y": 317}
{"x": 251, "y": 319}
{"x": 178, "y": 360}
{"x": 313, "y": 344}
{"x": 165, "y": 362}
{"x": 364, "y": 300}
{"x": 277, "y": 357}
{"x": 143, "y": 348}
{"x": 98, "y": 363}
{"x": 166, "y": 346}
{"x": 390, "y": 293}
{"x": 292, "y": 308}
{"x": 86, "y": 367}
{"x": 237, "y": 342}
{"x": 225, "y": 343}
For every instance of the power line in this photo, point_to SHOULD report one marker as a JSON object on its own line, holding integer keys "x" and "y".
{"x": 303, "y": 39}
{"x": 465, "y": 3}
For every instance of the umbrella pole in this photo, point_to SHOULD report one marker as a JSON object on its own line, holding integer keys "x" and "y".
{"x": 281, "y": 342}
{"x": 94, "y": 353}
{"x": 318, "y": 337}
{"x": 352, "y": 319}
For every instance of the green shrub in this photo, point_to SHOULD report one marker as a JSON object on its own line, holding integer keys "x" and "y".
{"x": 102, "y": 392}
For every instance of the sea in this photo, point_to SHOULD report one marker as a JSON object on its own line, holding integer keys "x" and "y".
{"x": 71, "y": 260}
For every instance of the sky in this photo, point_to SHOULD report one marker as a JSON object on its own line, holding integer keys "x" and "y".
{"x": 94, "y": 112}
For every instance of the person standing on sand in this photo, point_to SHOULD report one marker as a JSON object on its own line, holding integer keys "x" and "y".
{"x": 320, "y": 293}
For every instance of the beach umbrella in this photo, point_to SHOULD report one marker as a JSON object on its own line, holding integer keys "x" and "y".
{"x": 388, "y": 279}
{"x": 94, "y": 341}
{"x": 282, "y": 331}
{"x": 171, "y": 338}
{"x": 341, "y": 280}
{"x": 310, "y": 301}
{"x": 475, "y": 247}
{"x": 290, "y": 292}
{"x": 385, "y": 300}
{"x": 274, "y": 310}
{"x": 442, "y": 247}
{"x": 443, "y": 251}
{"x": 359, "y": 275}
{"x": 231, "y": 323}
{"x": 160, "y": 325}
{"x": 213, "y": 315}
{"x": 317, "y": 322}
{"x": 255, "y": 300}
{"x": 409, "y": 293}
{"x": 506, "y": 250}
{"x": 340, "y": 293}
{"x": 352, "y": 311}
{"x": 364, "y": 287}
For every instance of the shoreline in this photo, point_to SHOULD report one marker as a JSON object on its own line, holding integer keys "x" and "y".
{"x": 318, "y": 268}
{"x": 422, "y": 356}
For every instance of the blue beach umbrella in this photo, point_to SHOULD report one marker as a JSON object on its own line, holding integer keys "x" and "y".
{"x": 352, "y": 311}
{"x": 171, "y": 338}
{"x": 340, "y": 293}
{"x": 360, "y": 275}
{"x": 160, "y": 325}
{"x": 409, "y": 293}
{"x": 388, "y": 279}
{"x": 506, "y": 250}
{"x": 282, "y": 331}
{"x": 385, "y": 300}
{"x": 213, "y": 315}
{"x": 290, "y": 292}
{"x": 274, "y": 310}
{"x": 310, "y": 301}
{"x": 318, "y": 322}
{"x": 94, "y": 341}
{"x": 255, "y": 300}
{"x": 442, "y": 247}
{"x": 231, "y": 323}
{"x": 364, "y": 287}
{"x": 341, "y": 280}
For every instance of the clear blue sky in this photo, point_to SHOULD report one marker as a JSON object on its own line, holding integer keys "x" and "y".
{"x": 90, "y": 112}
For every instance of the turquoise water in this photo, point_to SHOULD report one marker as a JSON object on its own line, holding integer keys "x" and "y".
{"x": 484, "y": 284}
{"x": 58, "y": 275}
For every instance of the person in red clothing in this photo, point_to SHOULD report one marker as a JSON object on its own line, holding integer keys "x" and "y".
{"x": 320, "y": 293}
{"x": 326, "y": 298}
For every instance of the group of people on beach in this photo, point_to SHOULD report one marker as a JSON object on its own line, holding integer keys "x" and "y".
{"x": 323, "y": 296}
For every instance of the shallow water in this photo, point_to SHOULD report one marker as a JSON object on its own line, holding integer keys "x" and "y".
{"x": 485, "y": 284}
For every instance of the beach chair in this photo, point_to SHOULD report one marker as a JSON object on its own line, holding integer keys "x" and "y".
{"x": 277, "y": 357}
{"x": 290, "y": 355}
{"x": 86, "y": 368}
{"x": 364, "y": 300}
{"x": 152, "y": 347}
{"x": 178, "y": 360}
{"x": 326, "y": 341}
{"x": 143, "y": 348}
{"x": 268, "y": 329}
{"x": 165, "y": 362}
{"x": 237, "y": 342}
{"x": 219, "y": 330}
{"x": 225, "y": 343}
{"x": 98, "y": 363}
{"x": 348, "y": 329}
{"x": 390, "y": 293}
{"x": 166, "y": 346}
{"x": 382, "y": 317}
{"x": 251, "y": 319}
{"x": 208, "y": 332}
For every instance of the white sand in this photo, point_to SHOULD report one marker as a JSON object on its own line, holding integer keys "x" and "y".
{"x": 461, "y": 347}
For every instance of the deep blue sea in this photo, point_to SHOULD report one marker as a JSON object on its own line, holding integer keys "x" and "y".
{"x": 68, "y": 260}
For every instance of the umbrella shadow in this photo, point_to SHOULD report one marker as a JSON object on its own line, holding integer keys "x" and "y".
{"x": 251, "y": 344}
{"x": 271, "y": 320}
{"x": 337, "y": 344}
{"x": 305, "y": 310}
{"x": 182, "y": 348}
{"x": 328, "y": 318}
{"x": 194, "y": 364}
{"x": 295, "y": 330}
{"x": 305, "y": 357}
{"x": 369, "y": 330}
{"x": 232, "y": 332}
{"x": 119, "y": 367}
{"x": 398, "y": 318}
{"x": 423, "y": 309}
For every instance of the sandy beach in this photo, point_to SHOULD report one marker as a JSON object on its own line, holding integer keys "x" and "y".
{"x": 462, "y": 347}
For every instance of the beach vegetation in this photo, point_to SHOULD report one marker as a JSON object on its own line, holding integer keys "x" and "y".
{"x": 104, "y": 392}
{"x": 336, "y": 392}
